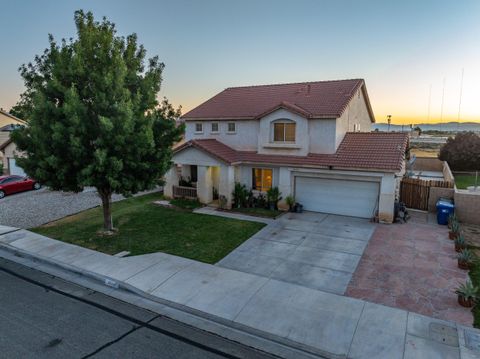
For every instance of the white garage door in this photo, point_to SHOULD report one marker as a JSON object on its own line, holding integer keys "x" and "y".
{"x": 344, "y": 197}
{"x": 14, "y": 169}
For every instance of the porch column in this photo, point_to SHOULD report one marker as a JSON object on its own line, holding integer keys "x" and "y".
{"x": 171, "y": 179}
{"x": 386, "y": 201}
{"x": 227, "y": 182}
{"x": 204, "y": 184}
{"x": 285, "y": 185}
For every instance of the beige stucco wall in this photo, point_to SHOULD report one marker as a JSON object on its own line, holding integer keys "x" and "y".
{"x": 9, "y": 152}
{"x": 356, "y": 113}
{"x": 467, "y": 206}
{"x": 322, "y": 135}
{"x": 245, "y": 137}
{"x": 428, "y": 164}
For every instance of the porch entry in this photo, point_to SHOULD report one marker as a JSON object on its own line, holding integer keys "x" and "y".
{"x": 195, "y": 183}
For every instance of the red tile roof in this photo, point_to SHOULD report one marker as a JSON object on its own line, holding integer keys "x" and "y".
{"x": 321, "y": 99}
{"x": 358, "y": 150}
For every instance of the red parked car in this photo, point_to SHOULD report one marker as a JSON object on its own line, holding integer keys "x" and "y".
{"x": 13, "y": 184}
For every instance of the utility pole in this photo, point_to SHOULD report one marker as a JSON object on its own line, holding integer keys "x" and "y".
{"x": 389, "y": 121}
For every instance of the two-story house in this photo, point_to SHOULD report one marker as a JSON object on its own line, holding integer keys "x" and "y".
{"x": 312, "y": 140}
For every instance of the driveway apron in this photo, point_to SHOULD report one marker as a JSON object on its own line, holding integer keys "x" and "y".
{"x": 315, "y": 250}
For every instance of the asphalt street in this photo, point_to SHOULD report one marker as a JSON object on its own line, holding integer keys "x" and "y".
{"x": 46, "y": 317}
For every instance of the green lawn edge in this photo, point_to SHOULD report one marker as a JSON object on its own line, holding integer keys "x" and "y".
{"x": 148, "y": 228}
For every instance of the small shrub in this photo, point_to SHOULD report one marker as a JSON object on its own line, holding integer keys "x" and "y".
{"x": 261, "y": 201}
{"x": 273, "y": 196}
{"x": 290, "y": 201}
{"x": 240, "y": 195}
{"x": 185, "y": 182}
{"x": 460, "y": 243}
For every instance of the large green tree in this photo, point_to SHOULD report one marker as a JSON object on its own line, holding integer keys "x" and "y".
{"x": 462, "y": 152}
{"x": 93, "y": 115}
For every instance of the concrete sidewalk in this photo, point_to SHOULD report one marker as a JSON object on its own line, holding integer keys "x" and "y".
{"x": 316, "y": 322}
{"x": 228, "y": 214}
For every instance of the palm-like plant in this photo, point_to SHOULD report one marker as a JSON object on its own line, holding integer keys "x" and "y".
{"x": 465, "y": 258}
{"x": 454, "y": 231}
{"x": 273, "y": 196}
{"x": 467, "y": 293}
{"x": 460, "y": 243}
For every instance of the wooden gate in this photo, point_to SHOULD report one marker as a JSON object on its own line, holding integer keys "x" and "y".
{"x": 415, "y": 192}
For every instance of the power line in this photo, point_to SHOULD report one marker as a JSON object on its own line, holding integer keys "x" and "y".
{"x": 429, "y": 102}
{"x": 460, "y": 100}
{"x": 443, "y": 99}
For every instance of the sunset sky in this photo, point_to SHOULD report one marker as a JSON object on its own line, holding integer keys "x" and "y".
{"x": 401, "y": 48}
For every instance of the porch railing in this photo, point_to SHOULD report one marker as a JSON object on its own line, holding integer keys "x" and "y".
{"x": 184, "y": 192}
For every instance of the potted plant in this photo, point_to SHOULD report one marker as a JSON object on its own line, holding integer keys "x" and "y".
{"x": 451, "y": 219}
{"x": 460, "y": 243}
{"x": 298, "y": 207}
{"x": 467, "y": 294}
{"x": 465, "y": 259}
{"x": 290, "y": 201}
{"x": 222, "y": 202}
{"x": 273, "y": 196}
{"x": 454, "y": 231}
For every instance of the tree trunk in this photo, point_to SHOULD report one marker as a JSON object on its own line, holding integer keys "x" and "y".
{"x": 107, "y": 210}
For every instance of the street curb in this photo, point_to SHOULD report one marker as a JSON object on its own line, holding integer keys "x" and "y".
{"x": 298, "y": 348}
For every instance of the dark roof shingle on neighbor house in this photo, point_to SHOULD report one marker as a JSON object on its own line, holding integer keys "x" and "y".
{"x": 320, "y": 99}
{"x": 358, "y": 150}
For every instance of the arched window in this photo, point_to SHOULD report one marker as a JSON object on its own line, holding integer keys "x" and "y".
{"x": 283, "y": 130}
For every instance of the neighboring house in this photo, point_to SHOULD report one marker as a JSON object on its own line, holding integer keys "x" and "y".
{"x": 312, "y": 140}
{"x": 8, "y": 149}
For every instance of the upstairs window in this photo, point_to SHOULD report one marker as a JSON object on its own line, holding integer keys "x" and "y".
{"x": 199, "y": 127}
{"x": 231, "y": 127}
{"x": 214, "y": 127}
{"x": 284, "y": 131}
{"x": 262, "y": 179}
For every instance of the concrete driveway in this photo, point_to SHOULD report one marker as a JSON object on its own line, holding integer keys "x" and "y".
{"x": 315, "y": 250}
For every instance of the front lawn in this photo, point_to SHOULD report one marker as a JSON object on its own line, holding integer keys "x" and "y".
{"x": 146, "y": 228}
{"x": 463, "y": 181}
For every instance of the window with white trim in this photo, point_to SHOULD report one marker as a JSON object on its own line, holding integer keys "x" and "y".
{"x": 199, "y": 127}
{"x": 284, "y": 131}
{"x": 231, "y": 127}
{"x": 214, "y": 128}
{"x": 262, "y": 179}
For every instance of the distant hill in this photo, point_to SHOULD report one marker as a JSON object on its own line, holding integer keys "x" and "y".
{"x": 447, "y": 126}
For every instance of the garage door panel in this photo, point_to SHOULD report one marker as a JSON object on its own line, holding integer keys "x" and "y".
{"x": 343, "y": 197}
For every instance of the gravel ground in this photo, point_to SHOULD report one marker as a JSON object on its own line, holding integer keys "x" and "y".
{"x": 34, "y": 208}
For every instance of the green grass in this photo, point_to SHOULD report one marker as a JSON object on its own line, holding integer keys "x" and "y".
{"x": 475, "y": 277}
{"x": 146, "y": 228}
{"x": 185, "y": 203}
{"x": 463, "y": 181}
{"x": 260, "y": 212}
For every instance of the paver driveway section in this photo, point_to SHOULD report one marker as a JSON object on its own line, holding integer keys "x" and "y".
{"x": 412, "y": 266}
{"x": 315, "y": 250}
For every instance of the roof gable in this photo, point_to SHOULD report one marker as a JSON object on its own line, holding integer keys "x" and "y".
{"x": 321, "y": 99}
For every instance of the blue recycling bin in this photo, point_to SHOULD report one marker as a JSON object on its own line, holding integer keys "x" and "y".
{"x": 444, "y": 209}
